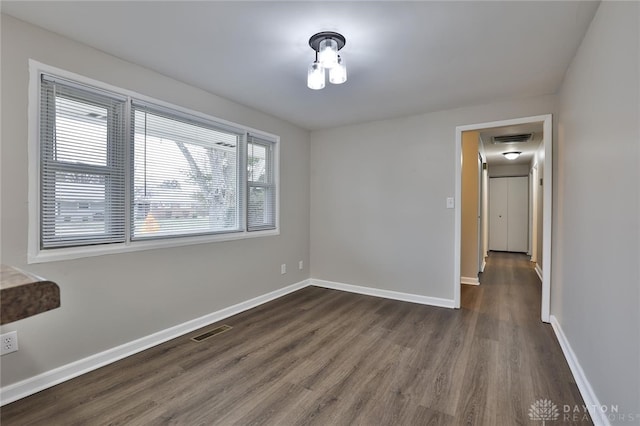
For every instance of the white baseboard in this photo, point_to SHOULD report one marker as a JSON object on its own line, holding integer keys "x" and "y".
{"x": 469, "y": 280}
{"x": 387, "y": 294}
{"x": 66, "y": 372}
{"x": 598, "y": 417}
{"x": 50, "y": 378}
{"x": 539, "y": 271}
{"x": 484, "y": 265}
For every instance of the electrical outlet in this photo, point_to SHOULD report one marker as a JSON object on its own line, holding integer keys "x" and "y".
{"x": 301, "y": 265}
{"x": 283, "y": 268}
{"x": 9, "y": 342}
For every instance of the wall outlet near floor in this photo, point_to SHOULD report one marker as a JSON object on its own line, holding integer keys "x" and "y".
{"x": 9, "y": 342}
{"x": 301, "y": 265}
{"x": 283, "y": 268}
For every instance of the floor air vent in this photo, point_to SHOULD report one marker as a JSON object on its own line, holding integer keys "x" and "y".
{"x": 211, "y": 333}
{"x": 522, "y": 137}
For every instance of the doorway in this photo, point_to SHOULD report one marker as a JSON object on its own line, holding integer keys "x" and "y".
{"x": 545, "y": 190}
{"x": 509, "y": 214}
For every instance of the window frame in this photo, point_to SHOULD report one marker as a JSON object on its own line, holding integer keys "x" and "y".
{"x": 180, "y": 116}
{"x": 35, "y": 254}
{"x": 269, "y": 185}
{"x": 110, "y": 171}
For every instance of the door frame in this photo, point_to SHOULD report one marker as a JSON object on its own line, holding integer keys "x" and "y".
{"x": 547, "y": 139}
{"x": 534, "y": 214}
{"x": 480, "y": 213}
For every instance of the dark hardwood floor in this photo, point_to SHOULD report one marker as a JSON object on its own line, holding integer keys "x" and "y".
{"x": 325, "y": 357}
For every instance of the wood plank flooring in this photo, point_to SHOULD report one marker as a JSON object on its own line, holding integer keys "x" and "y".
{"x": 325, "y": 357}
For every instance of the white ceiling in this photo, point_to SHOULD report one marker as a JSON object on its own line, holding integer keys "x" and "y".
{"x": 493, "y": 152}
{"x": 402, "y": 57}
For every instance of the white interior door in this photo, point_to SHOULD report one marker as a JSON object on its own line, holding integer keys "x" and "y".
{"x": 498, "y": 193}
{"x": 518, "y": 214}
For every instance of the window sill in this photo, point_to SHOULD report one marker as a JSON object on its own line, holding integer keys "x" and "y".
{"x": 54, "y": 255}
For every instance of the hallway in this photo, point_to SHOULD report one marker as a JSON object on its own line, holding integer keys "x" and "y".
{"x": 530, "y": 363}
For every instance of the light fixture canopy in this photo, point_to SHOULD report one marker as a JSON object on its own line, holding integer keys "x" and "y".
{"x": 512, "y": 155}
{"x": 326, "y": 44}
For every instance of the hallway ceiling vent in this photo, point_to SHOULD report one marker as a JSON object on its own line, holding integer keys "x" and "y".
{"x": 519, "y": 138}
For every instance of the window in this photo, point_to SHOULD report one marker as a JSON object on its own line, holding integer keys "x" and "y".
{"x": 186, "y": 176}
{"x": 117, "y": 170}
{"x": 261, "y": 187}
{"x": 81, "y": 166}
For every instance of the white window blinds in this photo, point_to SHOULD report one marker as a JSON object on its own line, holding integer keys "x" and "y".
{"x": 114, "y": 168}
{"x": 81, "y": 165}
{"x": 261, "y": 188}
{"x": 186, "y": 176}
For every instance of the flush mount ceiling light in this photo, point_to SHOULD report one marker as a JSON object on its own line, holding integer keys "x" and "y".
{"x": 511, "y": 155}
{"x": 326, "y": 45}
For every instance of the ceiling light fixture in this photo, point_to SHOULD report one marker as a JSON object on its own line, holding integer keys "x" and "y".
{"x": 326, "y": 45}
{"x": 511, "y": 155}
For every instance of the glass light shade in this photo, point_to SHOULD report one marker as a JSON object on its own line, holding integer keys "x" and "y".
{"x": 328, "y": 53}
{"x": 315, "y": 76}
{"x": 338, "y": 74}
{"x": 512, "y": 155}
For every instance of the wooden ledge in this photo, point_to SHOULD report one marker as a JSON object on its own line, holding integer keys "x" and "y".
{"x": 23, "y": 295}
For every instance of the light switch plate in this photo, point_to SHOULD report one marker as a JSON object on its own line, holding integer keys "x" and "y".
{"x": 450, "y": 203}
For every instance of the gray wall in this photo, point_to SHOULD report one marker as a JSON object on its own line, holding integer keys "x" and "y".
{"x": 110, "y": 300}
{"x": 595, "y": 291}
{"x": 378, "y": 192}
